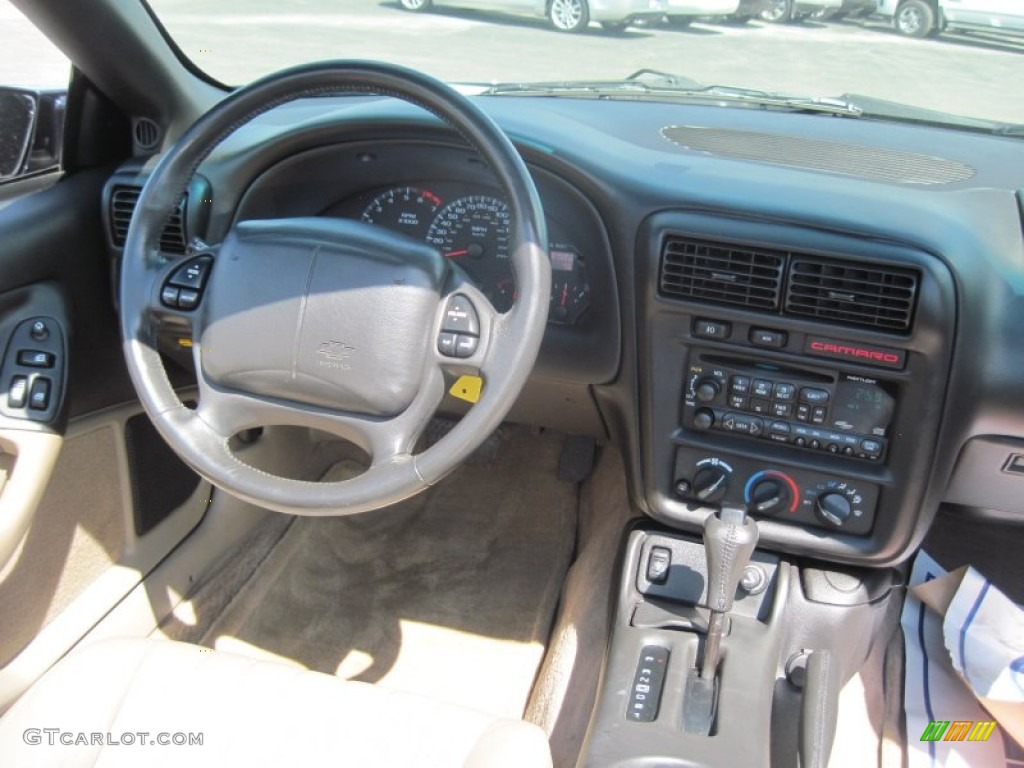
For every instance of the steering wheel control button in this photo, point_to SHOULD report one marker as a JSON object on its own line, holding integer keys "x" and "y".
{"x": 648, "y": 682}
{"x": 658, "y": 562}
{"x": 465, "y": 345}
{"x": 39, "y": 395}
{"x": 184, "y": 288}
{"x": 18, "y": 392}
{"x": 39, "y": 331}
{"x": 33, "y": 358}
{"x": 446, "y": 343}
{"x": 169, "y": 296}
{"x": 460, "y": 316}
{"x": 188, "y": 298}
{"x": 712, "y": 329}
{"x": 192, "y": 274}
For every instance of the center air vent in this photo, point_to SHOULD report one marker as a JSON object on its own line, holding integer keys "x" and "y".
{"x": 123, "y": 200}
{"x": 855, "y": 294}
{"x": 725, "y": 274}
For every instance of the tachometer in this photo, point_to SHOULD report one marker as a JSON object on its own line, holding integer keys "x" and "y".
{"x": 408, "y": 210}
{"x": 473, "y": 231}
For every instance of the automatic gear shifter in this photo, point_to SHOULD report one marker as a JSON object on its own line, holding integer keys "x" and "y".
{"x": 729, "y": 540}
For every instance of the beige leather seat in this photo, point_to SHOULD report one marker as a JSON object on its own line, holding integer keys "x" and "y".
{"x": 248, "y": 713}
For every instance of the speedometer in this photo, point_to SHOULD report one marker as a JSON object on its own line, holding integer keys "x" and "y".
{"x": 473, "y": 232}
{"x": 408, "y": 210}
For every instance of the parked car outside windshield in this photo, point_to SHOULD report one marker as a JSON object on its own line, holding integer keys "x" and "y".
{"x": 953, "y": 75}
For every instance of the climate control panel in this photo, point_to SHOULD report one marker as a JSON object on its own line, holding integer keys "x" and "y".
{"x": 786, "y": 494}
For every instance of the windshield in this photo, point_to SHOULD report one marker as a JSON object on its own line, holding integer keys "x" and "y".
{"x": 962, "y": 60}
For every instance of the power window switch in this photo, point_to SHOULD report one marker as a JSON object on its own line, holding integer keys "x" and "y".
{"x": 658, "y": 562}
{"x": 34, "y": 358}
{"x": 39, "y": 396}
{"x": 18, "y": 392}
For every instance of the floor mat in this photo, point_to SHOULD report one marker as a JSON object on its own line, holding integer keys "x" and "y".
{"x": 450, "y": 594}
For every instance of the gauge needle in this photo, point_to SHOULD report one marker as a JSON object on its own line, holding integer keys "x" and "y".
{"x": 453, "y": 254}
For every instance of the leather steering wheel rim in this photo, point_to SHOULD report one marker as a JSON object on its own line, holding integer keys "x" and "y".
{"x": 511, "y": 340}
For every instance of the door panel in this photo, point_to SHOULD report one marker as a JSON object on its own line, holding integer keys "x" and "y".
{"x": 76, "y": 476}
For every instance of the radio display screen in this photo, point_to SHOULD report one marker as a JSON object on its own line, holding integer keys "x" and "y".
{"x": 862, "y": 406}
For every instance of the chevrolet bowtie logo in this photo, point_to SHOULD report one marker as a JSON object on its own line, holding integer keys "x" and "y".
{"x": 335, "y": 350}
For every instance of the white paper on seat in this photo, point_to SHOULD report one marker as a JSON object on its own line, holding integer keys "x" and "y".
{"x": 934, "y": 691}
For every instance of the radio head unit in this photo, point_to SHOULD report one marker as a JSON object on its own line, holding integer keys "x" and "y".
{"x": 805, "y": 407}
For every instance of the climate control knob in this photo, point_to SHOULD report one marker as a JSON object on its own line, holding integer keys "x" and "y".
{"x": 710, "y": 483}
{"x": 707, "y": 390}
{"x": 834, "y": 508}
{"x": 769, "y": 497}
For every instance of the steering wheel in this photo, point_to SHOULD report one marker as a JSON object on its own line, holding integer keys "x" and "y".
{"x": 331, "y": 324}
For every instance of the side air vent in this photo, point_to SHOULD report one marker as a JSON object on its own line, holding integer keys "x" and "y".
{"x": 123, "y": 200}
{"x": 721, "y": 274}
{"x": 860, "y": 294}
{"x": 147, "y": 133}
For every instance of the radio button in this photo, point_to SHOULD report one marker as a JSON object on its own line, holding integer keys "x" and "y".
{"x": 759, "y": 407}
{"x": 738, "y": 422}
{"x": 739, "y": 402}
{"x": 818, "y": 415}
{"x": 762, "y": 337}
{"x": 779, "y": 428}
{"x": 704, "y": 419}
{"x": 814, "y": 396}
{"x": 785, "y": 392}
{"x": 803, "y": 412}
{"x": 782, "y": 410}
{"x": 800, "y": 442}
{"x": 873, "y": 447}
{"x": 739, "y": 385}
{"x": 762, "y": 388}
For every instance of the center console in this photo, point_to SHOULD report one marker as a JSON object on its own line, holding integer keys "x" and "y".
{"x": 798, "y": 373}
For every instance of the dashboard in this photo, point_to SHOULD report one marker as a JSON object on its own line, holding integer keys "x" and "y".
{"x": 820, "y": 331}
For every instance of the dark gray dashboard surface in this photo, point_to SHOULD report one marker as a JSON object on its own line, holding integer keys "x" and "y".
{"x": 609, "y": 165}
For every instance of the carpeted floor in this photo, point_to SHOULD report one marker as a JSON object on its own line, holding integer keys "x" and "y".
{"x": 449, "y": 594}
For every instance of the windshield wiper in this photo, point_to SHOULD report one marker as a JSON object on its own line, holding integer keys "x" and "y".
{"x": 674, "y": 88}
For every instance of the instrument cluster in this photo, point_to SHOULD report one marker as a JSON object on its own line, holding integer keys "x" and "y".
{"x": 473, "y": 231}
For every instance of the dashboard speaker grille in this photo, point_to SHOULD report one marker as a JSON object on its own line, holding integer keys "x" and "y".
{"x": 873, "y": 163}
{"x": 724, "y": 274}
{"x": 123, "y": 200}
{"x": 854, "y": 294}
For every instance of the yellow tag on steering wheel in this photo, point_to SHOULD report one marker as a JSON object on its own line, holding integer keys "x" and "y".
{"x": 467, "y": 388}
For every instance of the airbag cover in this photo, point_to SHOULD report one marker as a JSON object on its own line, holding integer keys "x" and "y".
{"x": 328, "y": 312}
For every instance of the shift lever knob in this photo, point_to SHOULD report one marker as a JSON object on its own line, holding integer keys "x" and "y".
{"x": 729, "y": 540}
